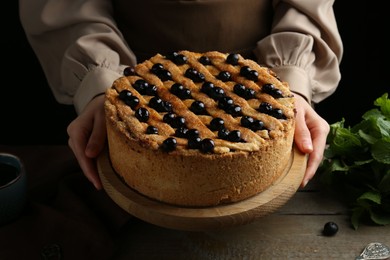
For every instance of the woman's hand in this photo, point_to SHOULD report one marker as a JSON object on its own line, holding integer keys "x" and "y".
{"x": 87, "y": 137}
{"x": 311, "y": 132}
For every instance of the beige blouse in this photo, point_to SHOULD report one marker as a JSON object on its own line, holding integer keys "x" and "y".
{"x": 83, "y": 46}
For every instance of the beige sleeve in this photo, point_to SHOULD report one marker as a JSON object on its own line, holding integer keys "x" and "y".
{"x": 304, "y": 47}
{"x": 75, "y": 42}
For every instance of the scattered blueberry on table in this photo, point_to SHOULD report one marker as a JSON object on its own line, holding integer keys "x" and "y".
{"x": 330, "y": 229}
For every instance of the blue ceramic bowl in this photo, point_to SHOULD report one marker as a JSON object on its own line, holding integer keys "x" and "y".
{"x": 13, "y": 187}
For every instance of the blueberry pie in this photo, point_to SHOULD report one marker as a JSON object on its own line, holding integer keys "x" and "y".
{"x": 199, "y": 129}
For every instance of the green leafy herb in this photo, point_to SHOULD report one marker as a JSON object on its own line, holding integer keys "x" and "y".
{"x": 357, "y": 164}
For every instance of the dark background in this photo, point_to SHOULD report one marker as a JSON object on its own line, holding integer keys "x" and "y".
{"x": 29, "y": 114}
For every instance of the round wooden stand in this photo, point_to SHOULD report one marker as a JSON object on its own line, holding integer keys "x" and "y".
{"x": 208, "y": 218}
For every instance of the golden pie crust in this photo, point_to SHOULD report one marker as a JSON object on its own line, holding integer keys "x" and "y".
{"x": 232, "y": 170}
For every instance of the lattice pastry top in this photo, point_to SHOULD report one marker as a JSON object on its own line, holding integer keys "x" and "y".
{"x": 201, "y": 102}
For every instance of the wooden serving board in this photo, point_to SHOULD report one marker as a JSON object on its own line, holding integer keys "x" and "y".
{"x": 207, "y": 218}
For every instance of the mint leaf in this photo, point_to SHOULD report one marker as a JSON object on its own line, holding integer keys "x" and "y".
{"x": 384, "y": 104}
{"x": 384, "y": 184}
{"x": 357, "y": 164}
{"x": 380, "y": 219}
{"x": 371, "y": 196}
{"x": 356, "y": 216}
{"x": 381, "y": 150}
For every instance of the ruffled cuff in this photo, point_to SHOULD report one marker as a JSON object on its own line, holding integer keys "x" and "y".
{"x": 95, "y": 82}
{"x": 297, "y": 78}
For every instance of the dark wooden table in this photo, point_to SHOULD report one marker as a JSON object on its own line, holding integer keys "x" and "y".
{"x": 294, "y": 231}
